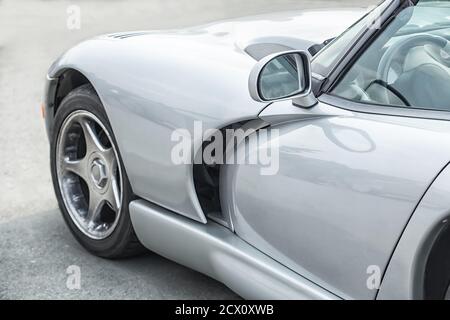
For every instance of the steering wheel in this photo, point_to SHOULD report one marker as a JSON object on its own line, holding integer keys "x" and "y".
{"x": 404, "y": 46}
{"x": 401, "y": 47}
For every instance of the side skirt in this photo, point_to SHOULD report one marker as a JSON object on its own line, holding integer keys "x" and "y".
{"x": 217, "y": 252}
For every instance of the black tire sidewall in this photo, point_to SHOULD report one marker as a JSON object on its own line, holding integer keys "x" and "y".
{"x": 84, "y": 98}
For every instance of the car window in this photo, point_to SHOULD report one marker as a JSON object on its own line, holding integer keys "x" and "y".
{"x": 408, "y": 65}
{"x": 328, "y": 56}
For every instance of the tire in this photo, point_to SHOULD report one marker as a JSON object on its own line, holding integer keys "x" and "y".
{"x": 89, "y": 178}
{"x": 437, "y": 270}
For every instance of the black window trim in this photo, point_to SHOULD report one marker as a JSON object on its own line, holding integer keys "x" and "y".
{"x": 386, "y": 110}
{"x": 364, "y": 39}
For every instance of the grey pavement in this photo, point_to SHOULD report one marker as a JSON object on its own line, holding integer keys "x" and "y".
{"x": 36, "y": 247}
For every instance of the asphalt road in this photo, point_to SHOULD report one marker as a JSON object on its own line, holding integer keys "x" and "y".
{"x": 36, "y": 248}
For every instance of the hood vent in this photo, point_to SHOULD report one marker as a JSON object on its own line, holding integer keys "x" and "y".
{"x": 124, "y": 35}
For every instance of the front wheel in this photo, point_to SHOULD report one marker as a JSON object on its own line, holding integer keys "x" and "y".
{"x": 89, "y": 179}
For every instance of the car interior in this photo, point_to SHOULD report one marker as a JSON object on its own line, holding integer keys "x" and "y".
{"x": 408, "y": 65}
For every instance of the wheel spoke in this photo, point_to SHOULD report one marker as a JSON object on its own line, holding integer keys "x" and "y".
{"x": 95, "y": 207}
{"x": 112, "y": 196}
{"x": 76, "y": 166}
{"x": 110, "y": 157}
{"x": 92, "y": 140}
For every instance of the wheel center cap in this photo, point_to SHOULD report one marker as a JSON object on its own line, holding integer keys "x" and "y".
{"x": 99, "y": 174}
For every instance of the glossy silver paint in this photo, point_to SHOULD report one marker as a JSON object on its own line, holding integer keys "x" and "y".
{"x": 405, "y": 275}
{"x": 348, "y": 185}
{"x": 219, "y": 253}
{"x": 152, "y": 83}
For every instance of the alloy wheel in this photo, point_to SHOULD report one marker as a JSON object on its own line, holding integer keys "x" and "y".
{"x": 89, "y": 174}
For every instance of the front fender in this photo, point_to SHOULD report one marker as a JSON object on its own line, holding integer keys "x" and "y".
{"x": 153, "y": 84}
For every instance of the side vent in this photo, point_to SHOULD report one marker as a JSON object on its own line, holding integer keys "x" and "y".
{"x": 207, "y": 182}
{"x": 207, "y": 177}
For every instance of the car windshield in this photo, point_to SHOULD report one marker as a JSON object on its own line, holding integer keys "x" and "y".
{"x": 331, "y": 54}
{"x": 408, "y": 65}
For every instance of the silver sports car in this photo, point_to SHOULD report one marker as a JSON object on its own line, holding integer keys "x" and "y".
{"x": 286, "y": 155}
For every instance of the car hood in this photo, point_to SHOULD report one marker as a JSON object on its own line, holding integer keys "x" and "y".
{"x": 292, "y": 28}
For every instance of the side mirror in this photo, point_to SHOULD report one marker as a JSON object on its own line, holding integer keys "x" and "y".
{"x": 283, "y": 76}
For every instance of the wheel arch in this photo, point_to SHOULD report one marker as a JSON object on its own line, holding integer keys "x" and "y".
{"x": 437, "y": 269}
{"x": 59, "y": 84}
{"x": 68, "y": 80}
{"x": 419, "y": 266}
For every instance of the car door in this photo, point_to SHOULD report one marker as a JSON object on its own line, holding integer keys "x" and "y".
{"x": 352, "y": 169}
